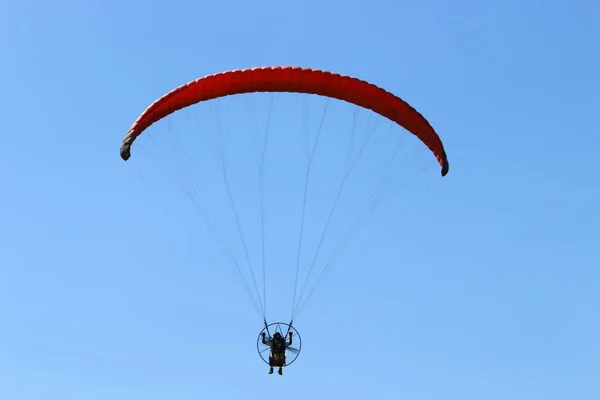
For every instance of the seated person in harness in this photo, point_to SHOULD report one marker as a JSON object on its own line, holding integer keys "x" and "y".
{"x": 278, "y": 346}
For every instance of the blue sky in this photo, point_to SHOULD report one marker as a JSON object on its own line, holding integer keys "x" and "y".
{"x": 486, "y": 287}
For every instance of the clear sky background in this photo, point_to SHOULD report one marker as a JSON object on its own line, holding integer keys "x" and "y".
{"x": 485, "y": 289}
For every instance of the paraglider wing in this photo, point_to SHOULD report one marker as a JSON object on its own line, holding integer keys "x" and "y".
{"x": 296, "y": 80}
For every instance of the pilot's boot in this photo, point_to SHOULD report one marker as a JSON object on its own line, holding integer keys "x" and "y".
{"x": 271, "y": 370}
{"x": 280, "y": 371}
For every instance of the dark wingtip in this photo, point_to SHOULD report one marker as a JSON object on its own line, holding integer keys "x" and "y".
{"x": 445, "y": 163}
{"x": 126, "y": 145}
{"x": 445, "y": 168}
{"x": 125, "y": 152}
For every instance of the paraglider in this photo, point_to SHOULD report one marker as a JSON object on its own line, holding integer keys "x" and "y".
{"x": 277, "y": 345}
{"x": 291, "y": 80}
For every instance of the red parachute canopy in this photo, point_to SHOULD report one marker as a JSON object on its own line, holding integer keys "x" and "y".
{"x": 291, "y": 79}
